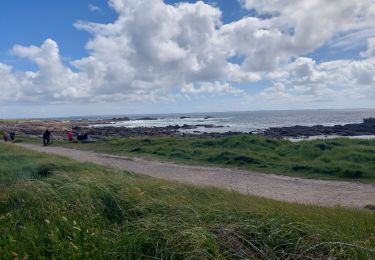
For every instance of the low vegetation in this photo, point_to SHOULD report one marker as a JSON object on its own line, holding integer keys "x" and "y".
{"x": 9, "y": 121}
{"x": 342, "y": 159}
{"x": 51, "y": 207}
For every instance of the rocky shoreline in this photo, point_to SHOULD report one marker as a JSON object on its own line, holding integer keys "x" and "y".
{"x": 59, "y": 128}
{"x": 367, "y": 127}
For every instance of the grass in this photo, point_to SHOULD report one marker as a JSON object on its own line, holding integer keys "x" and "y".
{"x": 338, "y": 159}
{"x": 9, "y": 120}
{"x": 51, "y": 207}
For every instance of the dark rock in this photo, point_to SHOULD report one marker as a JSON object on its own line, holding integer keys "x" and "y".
{"x": 185, "y": 126}
{"x": 121, "y": 119}
{"x": 365, "y": 128}
{"x": 205, "y": 125}
{"x": 209, "y": 126}
{"x": 185, "y": 117}
{"x": 147, "y": 118}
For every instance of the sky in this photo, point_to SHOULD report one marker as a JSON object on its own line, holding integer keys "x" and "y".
{"x": 115, "y": 57}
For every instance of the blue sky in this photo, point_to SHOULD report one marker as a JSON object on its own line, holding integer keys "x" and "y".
{"x": 32, "y": 22}
{"x": 55, "y": 62}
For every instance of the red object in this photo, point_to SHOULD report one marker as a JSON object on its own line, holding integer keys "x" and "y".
{"x": 70, "y": 136}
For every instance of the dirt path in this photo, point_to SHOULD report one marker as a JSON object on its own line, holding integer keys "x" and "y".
{"x": 325, "y": 193}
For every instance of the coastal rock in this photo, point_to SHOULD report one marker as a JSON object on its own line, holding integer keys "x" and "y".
{"x": 116, "y": 119}
{"x": 365, "y": 128}
{"x": 60, "y": 129}
{"x": 146, "y": 118}
{"x": 209, "y": 126}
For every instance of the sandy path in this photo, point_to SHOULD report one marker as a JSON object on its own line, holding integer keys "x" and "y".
{"x": 325, "y": 193}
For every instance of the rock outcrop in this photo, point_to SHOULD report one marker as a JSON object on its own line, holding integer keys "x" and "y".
{"x": 367, "y": 127}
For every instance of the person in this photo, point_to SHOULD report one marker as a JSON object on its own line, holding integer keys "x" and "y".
{"x": 12, "y": 137}
{"x": 82, "y": 137}
{"x": 46, "y": 137}
{"x": 70, "y": 136}
{"x": 5, "y": 136}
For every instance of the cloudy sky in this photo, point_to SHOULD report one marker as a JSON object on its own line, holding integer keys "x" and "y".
{"x": 87, "y": 57}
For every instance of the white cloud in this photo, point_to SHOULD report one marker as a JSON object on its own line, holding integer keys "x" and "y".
{"x": 154, "y": 49}
{"x": 353, "y": 39}
{"x": 8, "y": 84}
{"x": 53, "y": 81}
{"x": 300, "y": 27}
{"x": 94, "y": 8}
{"x": 210, "y": 87}
{"x": 304, "y": 80}
{"x": 370, "y": 52}
{"x": 363, "y": 72}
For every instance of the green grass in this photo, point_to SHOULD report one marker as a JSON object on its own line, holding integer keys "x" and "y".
{"x": 9, "y": 120}
{"x": 339, "y": 159}
{"x": 51, "y": 207}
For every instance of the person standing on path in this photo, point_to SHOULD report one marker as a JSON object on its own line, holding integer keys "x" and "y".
{"x": 70, "y": 136}
{"x": 46, "y": 137}
{"x": 12, "y": 136}
{"x": 5, "y": 136}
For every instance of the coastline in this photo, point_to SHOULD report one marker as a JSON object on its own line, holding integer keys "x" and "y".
{"x": 104, "y": 128}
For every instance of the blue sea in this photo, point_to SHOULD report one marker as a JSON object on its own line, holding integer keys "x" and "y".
{"x": 252, "y": 121}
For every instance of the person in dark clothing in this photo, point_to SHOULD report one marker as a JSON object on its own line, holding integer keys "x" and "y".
{"x": 12, "y": 136}
{"x": 82, "y": 137}
{"x": 46, "y": 137}
{"x": 5, "y": 136}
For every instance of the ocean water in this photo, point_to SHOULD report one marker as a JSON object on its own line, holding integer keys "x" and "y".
{"x": 252, "y": 121}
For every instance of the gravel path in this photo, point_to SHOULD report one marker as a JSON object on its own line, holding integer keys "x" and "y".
{"x": 325, "y": 193}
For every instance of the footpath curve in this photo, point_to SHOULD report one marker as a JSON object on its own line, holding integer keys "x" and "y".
{"x": 278, "y": 187}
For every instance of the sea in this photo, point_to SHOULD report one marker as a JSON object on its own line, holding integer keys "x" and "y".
{"x": 246, "y": 121}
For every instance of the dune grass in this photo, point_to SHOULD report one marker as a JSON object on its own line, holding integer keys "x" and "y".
{"x": 51, "y": 207}
{"x": 338, "y": 159}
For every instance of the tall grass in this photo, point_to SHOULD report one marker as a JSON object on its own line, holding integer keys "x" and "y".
{"x": 52, "y": 207}
{"x": 342, "y": 159}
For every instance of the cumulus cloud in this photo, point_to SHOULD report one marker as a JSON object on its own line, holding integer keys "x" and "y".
{"x": 210, "y": 87}
{"x": 156, "y": 46}
{"x": 363, "y": 72}
{"x": 370, "y": 52}
{"x": 154, "y": 49}
{"x": 299, "y": 27}
{"x": 8, "y": 84}
{"x": 52, "y": 82}
{"x": 305, "y": 80}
